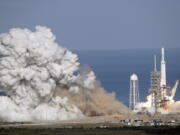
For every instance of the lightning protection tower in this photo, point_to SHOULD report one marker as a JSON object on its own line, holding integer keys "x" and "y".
{"x": 134, "y": 92}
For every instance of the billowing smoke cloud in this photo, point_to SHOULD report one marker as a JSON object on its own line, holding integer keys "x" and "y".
{"x": 173, "y": 107}
{"x": 38, "y": 78}
{"x": 169, "y": 106}
{"x": 90, "y": 97}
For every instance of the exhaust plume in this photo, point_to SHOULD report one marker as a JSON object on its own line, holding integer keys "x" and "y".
{"x": 169, "y": 106}
{"x": 91, "y": 98}
{"x": 38, "y": 79}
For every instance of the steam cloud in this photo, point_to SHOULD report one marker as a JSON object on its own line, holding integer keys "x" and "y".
{"x": 90, "y": 97}
{"x": 38, "y": 79}
{"x": 170, "y": 106}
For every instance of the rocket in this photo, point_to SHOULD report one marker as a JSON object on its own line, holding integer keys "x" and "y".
{"x": 163, "y": 69}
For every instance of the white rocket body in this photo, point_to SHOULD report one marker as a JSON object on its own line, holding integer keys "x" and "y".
{"x": 163, "y": 69}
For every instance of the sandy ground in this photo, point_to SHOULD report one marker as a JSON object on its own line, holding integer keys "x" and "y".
{"x": 117, "y": 118}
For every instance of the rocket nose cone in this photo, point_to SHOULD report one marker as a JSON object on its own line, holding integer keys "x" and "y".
{"x": 162, "y": 54}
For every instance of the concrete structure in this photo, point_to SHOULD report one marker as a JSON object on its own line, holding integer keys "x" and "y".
{"x": 134, "y": 92}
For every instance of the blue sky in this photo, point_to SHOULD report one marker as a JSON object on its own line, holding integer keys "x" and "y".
{"x": 99, "y": 24}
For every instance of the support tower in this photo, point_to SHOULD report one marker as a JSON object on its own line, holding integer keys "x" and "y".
{"x": 155, "y": 87}
{"x": 159, "y": 88}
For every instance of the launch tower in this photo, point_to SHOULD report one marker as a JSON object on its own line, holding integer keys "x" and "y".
{"x": 155, "y": 87}
{"x": 159, "y": 88}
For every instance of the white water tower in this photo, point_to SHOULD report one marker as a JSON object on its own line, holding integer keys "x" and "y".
{"x": 134, "y": 92}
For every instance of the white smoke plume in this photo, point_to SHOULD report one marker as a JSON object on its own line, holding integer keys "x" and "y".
{"x": 169, "y": 106}
{"x": 33, "y": 69}
{"x": 146, "y": 107}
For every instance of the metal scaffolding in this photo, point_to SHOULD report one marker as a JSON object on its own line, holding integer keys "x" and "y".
{"x": 158, "y": 92}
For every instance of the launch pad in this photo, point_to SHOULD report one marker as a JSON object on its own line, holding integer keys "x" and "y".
{"x": 160, "y": 94}
{"x": 159, "y": 91}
